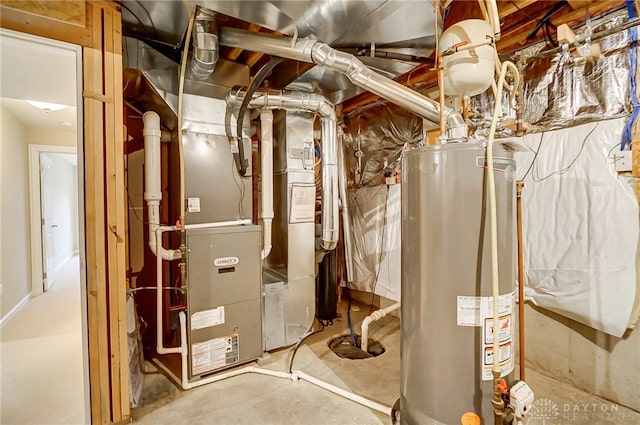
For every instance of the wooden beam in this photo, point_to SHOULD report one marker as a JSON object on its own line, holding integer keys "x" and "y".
{"x": 68, "y": 21}
{"x": 252, "y": 58}
{"x": 516, "y": 37}
{"x": 506, "y": 8}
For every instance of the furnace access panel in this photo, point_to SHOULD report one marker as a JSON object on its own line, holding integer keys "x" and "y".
{"x": 223, "y": 297}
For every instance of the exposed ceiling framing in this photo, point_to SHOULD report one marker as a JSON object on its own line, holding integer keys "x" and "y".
{"x": 523, "y": 23}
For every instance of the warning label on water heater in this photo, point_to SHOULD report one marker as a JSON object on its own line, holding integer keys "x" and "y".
{"x": 478, "y": 312}
{"x": 505, "y": 330}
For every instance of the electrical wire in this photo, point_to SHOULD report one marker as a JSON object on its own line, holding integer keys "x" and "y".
{"x": 143, "y": 26}
{"x": 381, "y": 247}
{"x": 353, "y": 336}
{"x": 373, "y": 197}
{"x": 148, "y": 16}
{"x": 153, "y": 288}
{"x": 304, "y": 337}
{"x": 535, "y": 156}
{"x": 573, "y": 161}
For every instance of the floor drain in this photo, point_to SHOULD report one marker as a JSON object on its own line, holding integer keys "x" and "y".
{"x": 343, "y": 347}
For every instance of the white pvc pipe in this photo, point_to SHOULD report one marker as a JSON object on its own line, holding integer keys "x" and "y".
{"x": 294, "y": 376}
{"x": 492, "y": 11}
{"x": 376, "y": 315}
{"x": 341, "y": 392}
{"x": 266, "y": 211}
{"x": 152, "y": 134}
{"x": 159, "y": 325}
{"x": 243, "y": 222}
{"x": 153, "y": 193}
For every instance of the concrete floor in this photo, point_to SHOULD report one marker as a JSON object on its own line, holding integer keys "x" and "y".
{"x": 42, "y": 381}
{"x": 254, "y": 399}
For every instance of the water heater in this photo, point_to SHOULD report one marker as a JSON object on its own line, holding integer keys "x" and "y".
{"x": 447, "y": 321}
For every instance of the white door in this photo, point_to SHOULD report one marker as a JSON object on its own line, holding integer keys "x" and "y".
{"x": 48, "y": 226}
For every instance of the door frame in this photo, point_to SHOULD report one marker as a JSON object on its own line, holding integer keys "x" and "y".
{"x": 35, "y": 208}
{"x": 95, "y": 27}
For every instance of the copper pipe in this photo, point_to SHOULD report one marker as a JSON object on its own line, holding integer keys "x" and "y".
{"x": 519, "y": 187}
{"x": 441, "y": 91}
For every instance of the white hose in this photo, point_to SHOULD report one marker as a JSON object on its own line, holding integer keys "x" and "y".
{"x": 493, "y": 220}
{"x": 376, "y": 315}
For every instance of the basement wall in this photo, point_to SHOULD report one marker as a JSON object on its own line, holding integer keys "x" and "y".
{"x": 590, "y": 360}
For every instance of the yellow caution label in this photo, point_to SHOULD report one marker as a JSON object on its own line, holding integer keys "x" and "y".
{"x": 470, "y": 418}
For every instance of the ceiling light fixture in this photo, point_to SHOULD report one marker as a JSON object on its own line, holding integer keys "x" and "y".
{"x": 46, "y": 106}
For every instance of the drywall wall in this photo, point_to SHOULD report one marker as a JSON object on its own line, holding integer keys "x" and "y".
{"x": 51, "y": 136}
{"x": 14, "y": 198}
{"x": 64, "y": 207}
{"x": 591, "y": 360}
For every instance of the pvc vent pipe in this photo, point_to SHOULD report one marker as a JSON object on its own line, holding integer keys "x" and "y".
{"x": 205, "y": 44}
{"x": 153, "y": 193}
{"x": 311, "y": 102}
{"x": 266, "y": 210}
{"x": 307, "y": 50}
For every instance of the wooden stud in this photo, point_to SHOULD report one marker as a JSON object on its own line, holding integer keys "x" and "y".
{"x": 112, "y": 229}
{"x": 635, "y": 157}
{"x": 253, "y": 58}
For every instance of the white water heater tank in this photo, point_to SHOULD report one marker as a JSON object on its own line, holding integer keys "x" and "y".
{"x": 467, "y": 72}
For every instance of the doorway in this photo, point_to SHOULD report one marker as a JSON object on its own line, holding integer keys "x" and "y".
{"x": 53, "y": 194}
{"x": 44, "y": 319}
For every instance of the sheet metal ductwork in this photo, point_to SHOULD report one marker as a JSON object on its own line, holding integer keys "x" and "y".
{"x": 205, "y": 44}
{"x": 313, "y": 51}
{"x": 310, "y": 102}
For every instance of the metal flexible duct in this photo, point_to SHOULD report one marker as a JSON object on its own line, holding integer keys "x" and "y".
{"x": 313, "y": 51}
{"x": 205, "y": 44}
{"x": 311, "y": 102}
